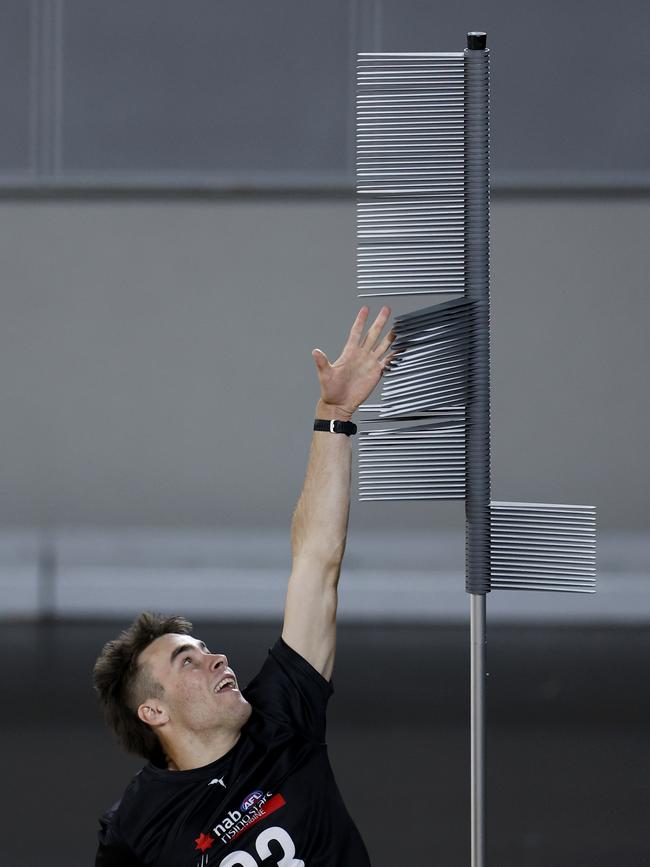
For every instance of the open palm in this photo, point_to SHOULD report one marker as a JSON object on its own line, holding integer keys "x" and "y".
{"x": 351, "y": 378}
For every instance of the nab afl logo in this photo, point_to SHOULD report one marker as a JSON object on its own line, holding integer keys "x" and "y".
{"x": 250, "y": 800}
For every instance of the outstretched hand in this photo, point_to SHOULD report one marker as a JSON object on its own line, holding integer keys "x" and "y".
{"x": 351, "y": 378}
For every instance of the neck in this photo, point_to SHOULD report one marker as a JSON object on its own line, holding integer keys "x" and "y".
{"x": 195, "y": 751}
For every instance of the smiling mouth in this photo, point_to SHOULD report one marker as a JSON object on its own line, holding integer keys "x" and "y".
{"x": 228, "y": 684}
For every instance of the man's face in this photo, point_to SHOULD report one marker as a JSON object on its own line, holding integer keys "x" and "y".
{"x": 200, "y": 692}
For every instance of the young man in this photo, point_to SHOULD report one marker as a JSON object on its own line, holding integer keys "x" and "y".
{"x": 241, "y": 778}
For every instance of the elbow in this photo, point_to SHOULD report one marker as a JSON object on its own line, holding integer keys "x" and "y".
{"x": 314, "y": 567}
{"x": 325, "y": 559}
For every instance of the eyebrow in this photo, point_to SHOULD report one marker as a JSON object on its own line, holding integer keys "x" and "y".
{"x": 185, "y": 647}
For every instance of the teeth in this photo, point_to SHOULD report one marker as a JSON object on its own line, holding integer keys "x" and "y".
{"x": 225, "y": 682}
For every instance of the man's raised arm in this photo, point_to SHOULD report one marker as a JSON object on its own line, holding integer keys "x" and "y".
{"x": 320, "y": 521}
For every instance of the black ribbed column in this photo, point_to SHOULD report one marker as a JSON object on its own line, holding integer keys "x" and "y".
{"x": 477, "y": 275}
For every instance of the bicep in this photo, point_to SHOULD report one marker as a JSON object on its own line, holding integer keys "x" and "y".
{"x": 310, "y": 615}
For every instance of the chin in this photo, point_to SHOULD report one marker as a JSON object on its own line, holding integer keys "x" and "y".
{"x": 238, "y": 713}
{"x": 246, "y": 711}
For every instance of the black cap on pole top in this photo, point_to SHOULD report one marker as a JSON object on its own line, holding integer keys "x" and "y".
{"x": 476, "y": 40}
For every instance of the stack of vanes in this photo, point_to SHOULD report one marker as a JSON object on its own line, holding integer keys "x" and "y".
{"x": 423, "y": 186}
{"x": 423, "y": 212}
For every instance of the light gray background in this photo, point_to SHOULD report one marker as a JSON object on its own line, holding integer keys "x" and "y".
{"x": 156, "y": 369}
{"x": 156, "y": 372}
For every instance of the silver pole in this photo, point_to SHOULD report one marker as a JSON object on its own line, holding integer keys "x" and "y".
{"x": 477, "y": 736}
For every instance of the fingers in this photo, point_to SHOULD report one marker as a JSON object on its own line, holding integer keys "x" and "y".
{"x": 322, "y": 362}
{"x": 375, "y": 329}
{"x": 385, "y": 362}
{"x": 367, "y": 342}
{"x": 357, "y": 327}
{"x": 384, "y": 344}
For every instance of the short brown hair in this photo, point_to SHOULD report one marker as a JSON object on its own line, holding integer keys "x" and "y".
{"x": 122, "y": 685}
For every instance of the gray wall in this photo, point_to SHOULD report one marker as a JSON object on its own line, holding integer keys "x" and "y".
{"x": 214, "y": 93}
{"x": 155, "y": 358}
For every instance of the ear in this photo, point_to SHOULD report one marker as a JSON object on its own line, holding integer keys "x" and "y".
{"x": 153, "y": 713}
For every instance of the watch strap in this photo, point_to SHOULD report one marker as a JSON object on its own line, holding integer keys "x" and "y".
{"x": 335, "y": 426}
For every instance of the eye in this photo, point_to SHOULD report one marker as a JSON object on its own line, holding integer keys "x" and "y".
{"x": 186, "y": 659}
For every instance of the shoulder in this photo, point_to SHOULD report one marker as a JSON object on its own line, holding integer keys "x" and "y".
{"x": 295, "y": 664}
{"x": 289, "y": 690}
{"x": 125, "y": 825}
{"x": 112, "y": 847}
{"x": 114, "y": 822}
{"x": 283, "y": 663}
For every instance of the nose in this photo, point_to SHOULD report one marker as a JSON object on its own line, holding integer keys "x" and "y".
{"x": 219, "y": 659}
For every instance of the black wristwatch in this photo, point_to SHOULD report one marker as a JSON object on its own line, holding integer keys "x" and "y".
{"x": 348, "y": 428}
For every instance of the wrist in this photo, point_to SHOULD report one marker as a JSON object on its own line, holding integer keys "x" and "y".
{"x": 330, "y": 411}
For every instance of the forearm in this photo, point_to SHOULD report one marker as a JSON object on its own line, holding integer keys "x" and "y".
{"x": 320, "y": 520}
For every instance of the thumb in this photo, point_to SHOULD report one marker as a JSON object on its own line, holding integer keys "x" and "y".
{"x": 320, "y": 358}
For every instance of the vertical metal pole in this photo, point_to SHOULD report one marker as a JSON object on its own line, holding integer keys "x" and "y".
{"x": 477, "y": 735}
{"x": 477, "y": 419}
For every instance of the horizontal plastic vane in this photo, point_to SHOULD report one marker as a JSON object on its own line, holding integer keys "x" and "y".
{"x": 543, "y": 546}
{"x": 422, "y": 462}
{"x": 430, "y": 370}
{"x": 410, "y": 174}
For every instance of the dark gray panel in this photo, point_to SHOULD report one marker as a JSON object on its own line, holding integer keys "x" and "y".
{"x": 567, "y": 740}
{"x": 569, "y": 81}
{"x": 15, "y": 94}
{"x": 167, "y": 86}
